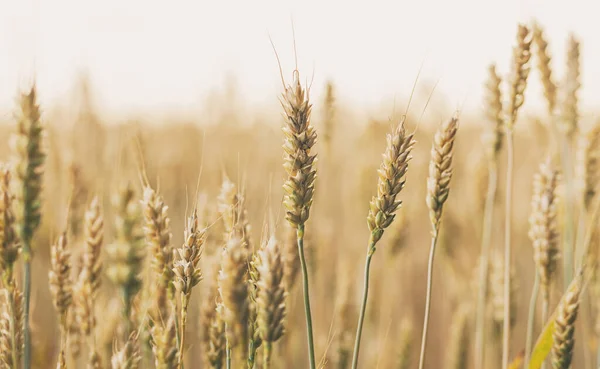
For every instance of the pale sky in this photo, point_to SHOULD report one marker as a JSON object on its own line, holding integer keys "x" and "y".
{"x": 155, "y": 54}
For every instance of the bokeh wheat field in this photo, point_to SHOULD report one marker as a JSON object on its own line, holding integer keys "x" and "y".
{"x": 140, "y": 245}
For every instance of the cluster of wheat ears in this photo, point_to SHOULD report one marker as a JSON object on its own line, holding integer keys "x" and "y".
{"x": 242, "y": 315}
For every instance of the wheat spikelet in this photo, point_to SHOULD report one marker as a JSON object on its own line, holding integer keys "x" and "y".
{"x": 405, "y": 344}
{"x": 28, "y": 165}
{"x": 128, "y": 357}
{"x": 564, "y": 331}
{"x": 391, "y": 181}
{"x": 233, "y": 289}
{"x": 571, "y": 86}
{"x": 588, "y": 165}
{"x": 497, "y": 293}
{"x": 440, "y": 171}
{"x": 213, "y": 328}
{"x": 519, "y": 74}
{"x": 164, "y": 344}
{"x": 457, "y": 354}
{"x": 126, "y": 254}
{"x": 543, "y": 225}
{"x": 300, "y": 137}
{"x": 186, "y": 269}
{"x": 270, "y": 299}
{"x": 94, "y": 237}
{"x": 253, "y": 284}
{"x": 59, "y": 278}
{"x": 494, "y": 131}
{"x": 11, "y": 327}
{"x": 158, "y": 235}
{"x": 9, "y": 242}
{"x": 544, "y": 61}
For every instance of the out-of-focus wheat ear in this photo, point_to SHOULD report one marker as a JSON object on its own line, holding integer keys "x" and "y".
{"x": 226, "y": 206}
{"x": 94, "y": 361}
{"x": 564, "y": 325}
{"x": 9, "y": 241}
{"x": 6, "y": 341}
{"x": 128, "y": 357}
{"x": 440, "y": 171}
{"x": 457, "y": 351}
{"x": 543, "y": 225}
{"x": 158, "y": 235}
{"x": 94, "y": 238}
{"x": 588, "y": 166}
{"x": 233, "y": 290}
{"x": 405, "y": 345}
{"x": 571, "y": 86}
{"x": 61, "y": 362}
{"x": 213, "y": 327}
{"x": 544, "y": 61}
{"x": 164, "y": 344}
{"x": 291, "y": 259}
{"x": 59, "y": 277}
{"x": 255, "y": 340}
{"x": 28, "y": 163}
{"x": 519, "y": 74}
{"x": 497, "y": 299}
{"x": 494, "y": 131}
{"x": 329, "y": 111}
{"x": 392, "y": 177}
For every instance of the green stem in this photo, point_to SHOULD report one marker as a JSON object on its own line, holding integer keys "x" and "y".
{"x": 545, "y": 307}
{"x": 27, "y": 299}
{"x": 251, "y": 354}
{"x": 185, "y": 299}
{"x": 531, "y": 319}
{"x": 309, "y": 328}
{"x": 228, "y": 358}
{"x": 363, "y": 306}
{"x": 507, "y": 246}
{"x": 267, "y": 355}
{"x": 434, "y": 238}
{"x": 484, "y": 264}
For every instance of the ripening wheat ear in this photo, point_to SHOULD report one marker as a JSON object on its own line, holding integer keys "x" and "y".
{"x": 383, "y": 207}
{"x": 564, "y": 331}
{"x": 519, "y": 74}
{"x": 164, "y": 344}
{"x": 128, "y": 357}
{"x": 545, "y": 68}
{"x": 588, "y": 166}
{"x": 9, "y": 241}
{"x": 60, "y": 284}
{"x": 299, "y": 164}
{"x": 11, "y": 323}
{"x": 28, "y": 170}
{"x": 438, "y": 188}
{"x": 543, "y": 230}
{"x": 571, "y": 86}
{"x": 158, "y": 235}
{"x": 270, "y": 300}
{"x": 494, "y": 112}
{"x": 213, "y": 328}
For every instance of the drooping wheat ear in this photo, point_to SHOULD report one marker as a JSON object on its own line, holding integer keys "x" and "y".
{"x": 9, "y": 241}
{"x": 300, "y": 137}
{"x": 271, "y": 296}
{"x": 291, "y": 259}
{"x": 543, "y": 225}
{"x": 457, "y": 354}
{"x": 233, "y": 289}
{"x": 128, "y": 357}
{"x": 158, "y": 235}
{"x": 11, "y": 327}
{"x": 588, "y": 165}
{"x": 392, "y": 177}
{"x": 497, "y": 299}
{"x": 438, "y": 188}
{"x": 213, "y": 328}
{"x": 126, "y": 254}
{"x": 187, "y": 271}
{"x": 328, "y": 117}
{"x": 28, "y": 170}
{"x": 494, "y": 132}
{"x": 94, "y": 361}
{"x": 564, "y": 326}
{"x": 571, "y": 86}
{"x": 62, "y": 362}
{"x": 405, "y": 344}
{"x": 544, "y": 66}
{"x": 519, "y": 74}
{"x": 59, "y": 278}
{"x": 164, "y": 344}
{"x": 440, "y": 171}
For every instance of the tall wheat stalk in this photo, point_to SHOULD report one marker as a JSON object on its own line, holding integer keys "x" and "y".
{"x": 392, "y": 173}
{"x": 518, "y": 83}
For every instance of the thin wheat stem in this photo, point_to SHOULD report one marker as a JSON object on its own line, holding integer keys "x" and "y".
{"x": 363, "y": 306}
{"x": 185, "y": 300}
{"x": 267, "y": 355}
{"x": 251, "y": 355}
{"x": 27, "y": 300}
{"x": 531, "y": 319}
{"x": 545, "y": 308}
{"x": 568, "y": 222}
{"x": 484, "y": 264}
{"x": 434, "y": 238}
{"x": 228, "y": 358}
{"x": 507, "y": 246}
{"x": 307, "y": 311}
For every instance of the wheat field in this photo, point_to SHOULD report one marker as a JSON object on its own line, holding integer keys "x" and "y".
{"x": 307, "y": 238}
